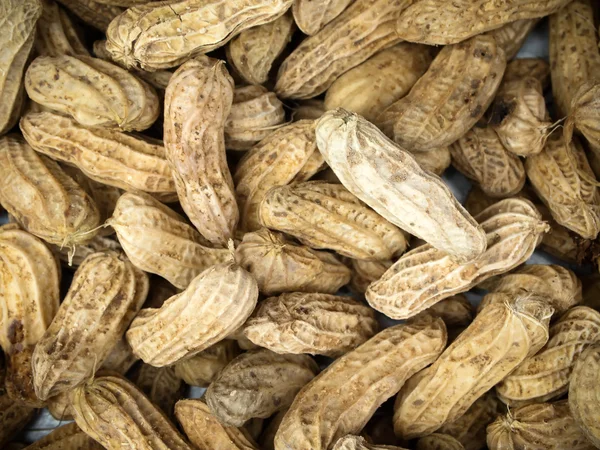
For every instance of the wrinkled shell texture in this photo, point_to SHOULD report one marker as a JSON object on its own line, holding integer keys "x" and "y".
{"x": 313, "y": 16}
{"x": 584, "y": 114}
{"x": 202, "y": 369}
{"x": 584, "y": 395}
{"x": 56, "y": 35}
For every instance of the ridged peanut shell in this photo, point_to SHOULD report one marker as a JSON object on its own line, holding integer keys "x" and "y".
{"x": 56, "y": 35}
{"x": 202, "y": 369}
{"x": 351, "y": 442}
{"x": 66, "y": 437}
{"x": 510, "y": 37}
{"x": 584, "y": 396}
{"x": 93, "y": 13}
{"x": 584, "y": 114}
{"x": 162, "y": 386}
{"x": 311, "y": 16}
{"x": 439, "y": 441}
{"x": 365, "y": 272}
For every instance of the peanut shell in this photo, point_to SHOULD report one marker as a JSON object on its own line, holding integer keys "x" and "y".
{"x": 161, "y": 384}
{"x": 455, "y": 311}
{"x": 56, "y": 35}
{"x": 120, "y": 359}
{"x": 202, "y": 369}
{"x": 312, "y": 16}
{"x": 439, "y": 441}
{"x": 66, "y": 437}
{"x": 350, "y": 442}
{"x": 584, "y": 114}
{"x": 366, "y": 272}
{"x": 435, "y": 161}
{"x": 92, "y": 12}
{"x": 583, "y": 393}
{"x": 510, "y": 37}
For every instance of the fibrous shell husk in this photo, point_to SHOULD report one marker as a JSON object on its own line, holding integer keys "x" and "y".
{"x": 584, "y": 398}
{"x": 202, "y": 369}
{"x": 94, "y": 13}
{"x": 56, "y": 35}
{"x": 312, "y": 16}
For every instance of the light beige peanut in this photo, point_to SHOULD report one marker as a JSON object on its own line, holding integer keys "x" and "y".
{"x": 279, "y": 265}
{"x": 253, "y": 52}
{"x": 159, "y": 36}
{"x": 312, "y": 16}
{"x": 583, "y": 393}
{"x": 216, "y": 303}
{"x": 120, "y": 359}
{"x": 161, "y": 385}
{"x": 318, "y": 324}
{"x": 510, "y": 37}
{"x": 66, "y": 437}
{"x": 93, "y": 13}
{"x": 56, "y": 35}
{"x": 505, "y": 335}
{"x": 389, "y": 180}
{"x": 59, "y": 407}
{"x": 94, "y": 92}
{"x": 106, "y": 293}
{"x": 366, "y": 272}
{"x": 197, "y": 103}
{"x": 439, "y": 441}
{"x": 202, "y": 369}
{"x": 158, "y": 240}
{"x": 435, "y": 161}
{"x": 455, "y": 311}
{"x": 310, "y": 109}
{"x": 537, "y": 68}
{"x": 327, "y": 216}
{"x": 584, "y": 115}
{"x": 75, "y": 257}
{"x": 351, "y": 442}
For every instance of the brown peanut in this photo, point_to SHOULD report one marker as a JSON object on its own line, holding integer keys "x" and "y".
{"x": 56, "y": 35}
{"x": 66, "y": 437}
{"x": 583, "y": 392}
{"x": 161, "y": 385}
{"x": 92, "y": 12}
{"x": 202, "y": 369}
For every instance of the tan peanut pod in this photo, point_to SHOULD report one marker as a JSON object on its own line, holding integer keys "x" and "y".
{"x": 202, "y": 369}
{"x": 574, "y": 54}
{"x": 94, "y": 92}
{"x": 384, "y": 78}
{"x": 481, "y": 156}
{"x": 455, "y": 311}
{"x": 435, "y": 161}
{"x": 310, "y": 109}
{"x": 313, "y": 165}
{"x": 161, "y": 385}
{"x": 87, "y": 327}
{"x": 206, "y": 432}
{"x": 275, "y": 161}
{"x": 439, "y": 441}
{"x": 312, "y": 16}
{"x": 317, "y": 324}
{"x": 510, "y": 37}
{"x": 449, "y": 98}
{"x": 279, "y": 265}
{"x": 92, "y": 12}
{"x": 162, "y": 35}
{"x": 327, "y": 216}
{"x": 546, "y": 375}
{"x": 528, "y": 67}
{"x": 363, "y": 29}
{"x": 106, "y": 156}
{"x": 217, "y": 302}
{"x": 351, "y": 442}
{"x": 564, "y": 181}
{"x": 365, "y": 272}
{"x": 477, "y": 201}
{"x": 389, "y": 180}
{"x": 158, "y": 240}
{"x": 253, "y": 52}
{"x": 429, "y": 22}
{"x": 75, "y": 257}
{"x": 42, "y": 198}
{"x": 59, "y": 407}
{"x": 543, "y": 426}
{"x": 56, "y": 35}
{"x": 197, "y": 103}
{"x": 66, "y": 437}
{"x": 505, "y": 335}
{"x": 255, "y": 113}
{"x": 469, "y": 429}
{"x": 584, "y": 114}
{"x": 342, "y": 399}
{"x": 30, "y": 293}
{"x": 583, "y": 393}
{"x": 117, "y": 414}
{"x": 264, "y": 383}
{"x": 120, "y": 359}
{"x": 17, "y": 35}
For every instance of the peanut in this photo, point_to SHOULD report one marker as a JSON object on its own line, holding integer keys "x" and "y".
{"x": 56, "y": 34}
{"x": 435, "y": 161}
{"x": 366, "y": 272}
{"x": 584, "y": 115}
{"x": 202, "y": 369}
{"x": 455, "y": 311}
{"x": 583, "y": 393}
{"x": 312, "y": 16}
{"x": 66, "y": 437}
{"x": 510, "y": 37}
{"x": 92, "y": 12}
{"x": 120, "y": 359}
{"x": 161, "y": 384}
{"x": 439, "y": 441}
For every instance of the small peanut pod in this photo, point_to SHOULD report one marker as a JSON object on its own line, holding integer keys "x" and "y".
{"x": 449, "y": 99}
{"x": 202, "y": 369}
{"x": 543, "y": 426}
{"x": 92, "y": 12}
{"x": 118, "y": 415}
{"x": 106, "y": 293}
{"x": 312, "y": 16}
{"x": 436, "y": 161}
{"x": 216, "y": 303}
{"x": 66, "y": 437}
{"x": 30, "y": 298}
{"x": 584, "y": 115}
{"x": 342, "y": 399}
{"x": 439, "y": 441}
{"x": 505, "y": 335}
{"x": 106, "y": 156}
{"x": 158, "y": 240}
{"x": 455, "y": 311}
{"x": 481, "y": 156}
{"x": 197, "y": 103}
{"x": 366, "y": 272}
{"x": 323, "y": 215}
{"x": 279, "y": 265}
{"x": 56, "y": 35}
{"x": 351, "y": 442}
{"x": 161, "y": 385}
{"x": 510, "y": 37}
{"x": 42, "y": 197}
{"x": 384, "y": 78}
{"x": 120, "y": 359}
{"x": 584, "y": 398}
{"x": 318, "y": 324}
{"x": 94, "y": 92}
{"x": 162, "y": 35}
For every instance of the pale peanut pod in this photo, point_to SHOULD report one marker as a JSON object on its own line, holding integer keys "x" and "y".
{"x": 92, "y": 12}
{"x": 496, "y": 342}
{"x": 158, "y": 240}
{"x": 583, "y": 393}
{"x": 94, "y": 92}
{"x": 312, "y": 16}
{"x": 161, "y": 385}
{"x": 542, "y": 426}
{"x": 449, "y": 99}
{"x": 574, "y": 54}
{"x": 481, "y": 156}
{"x": 310, "y": 109}
{"x": 528, "y": 67}
{"x": 59, "y": 407}
{"x": 107, "y": 156}
{"x": 562, "y": 178}
{"x": 342, "y": 399}
{"x": 435, "y": 161}
{"x": 162, "y": 35}
{"x": 510, "y": 37}
{"x": 30, "y": 292}
{"x": 258, "y": 384}
{"x": 363, "y": 29}
{"x": 317, "y": 324}
{"x": 206, "y": 432}
{"x": 584, "y": 114}
{"x": 313, "y": 165}
{"x": 106, "y": 293}
{"x": 17, "y": 35}
{"x": 253, "y": 52}
{"x": 13, "y": 417}
{"x": 366, "y": 272}
{"x": 351, "y": 442}
{"x": 390, "y": 181}
{"x": 197, "y": 103}
{"x": 43, "y": 198}
{"x": 455, "y": 311}
{"x": 275, "y": 161}
{"x": 279, "y": 265}
{"x": 66, "y": 437}
{"x": 120, "y": 359}
{"x": 74, "y": 258}
{"x": 56, "y": 34}
{"x": 439, "y": 441}
{"x": 381, "y": 80}
{"x": 431, "y": 22}
{"x": 202, "y": 369}
{"x": 254, "y": 114}
{"x": 216, "y": 303}
{"x": 327, "y": 216}
{"x": 546, "y": 375}
{"x": 118, "y": 415}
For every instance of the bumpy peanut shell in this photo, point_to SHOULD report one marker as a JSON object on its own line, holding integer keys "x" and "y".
{"x": 161, "y": 384}
{"x": 583, "y": 393}
{"x": 197, "y": 103}
{"x": 202, "y": 369}
{"x": 439, "y": 441}
{"x": 93, "y": 13}
{"x": 351, "y": 442}
{"x": 344, "y": 396}
{"x": 66, "y": 437}
{"x": 365, "y": 272}
{"x": 56, "y": 35}
{"x": 584, "y": 114}
{"x": 106, "y": 293}
{"x": 74, "y": 258}
{"x": 510, "y": 37}
{"x": 312, "y": 16}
